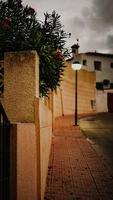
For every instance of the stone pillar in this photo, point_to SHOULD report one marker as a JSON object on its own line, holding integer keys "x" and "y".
{"x": 21, "y": 85}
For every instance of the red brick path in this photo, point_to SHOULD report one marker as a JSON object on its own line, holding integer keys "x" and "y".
{"x": 75, "y": 171}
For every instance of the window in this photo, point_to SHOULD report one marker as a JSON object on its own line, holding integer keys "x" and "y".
{"x": 106, "y": 83}
{"x": 84, "y": 62}
{"x": 111, "y": 65}
{"x": 97, "y": 65}
{"x": 99, "y": 85}
{"x": 111, "y": 85}
{"x": 93, "y": 104}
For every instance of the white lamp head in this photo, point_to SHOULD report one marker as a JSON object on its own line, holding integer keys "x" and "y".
{"x": 76, "y": 65}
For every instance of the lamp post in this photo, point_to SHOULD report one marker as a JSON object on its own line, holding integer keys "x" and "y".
{"x": 76, "y": 66}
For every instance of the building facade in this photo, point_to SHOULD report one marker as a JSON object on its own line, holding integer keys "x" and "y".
{"x": 102, "y": 65}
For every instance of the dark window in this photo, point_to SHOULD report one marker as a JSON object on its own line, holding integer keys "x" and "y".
{"x": 99, "y": 85}
{"x": 97, "y": 65}
{"x": 111, "y": 65}
{"x": 106, "y": 83}
{"x": 111, "y": 85}
{"x": 84, "y": 62}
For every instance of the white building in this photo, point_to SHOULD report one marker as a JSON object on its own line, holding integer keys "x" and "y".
{"x": 102, "y": 64}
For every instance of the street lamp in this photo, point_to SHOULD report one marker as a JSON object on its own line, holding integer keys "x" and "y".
{"x": 76, "y": 66}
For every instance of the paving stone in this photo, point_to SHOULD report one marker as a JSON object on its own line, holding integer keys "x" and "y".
{"x": 75, "y": 171}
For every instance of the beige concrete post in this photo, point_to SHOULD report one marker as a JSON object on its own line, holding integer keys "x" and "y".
{"x": 21, "y": 84}
{"x": 21, "y": 87}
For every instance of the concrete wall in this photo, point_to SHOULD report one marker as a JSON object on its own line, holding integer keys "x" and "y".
{"x": 33, "y": 148}
{"x": 64, "y": 99}
{"x": 33, "y": 121}
{"x": 27, "y": 172}
{"x": 45, "y": 142}
{"x": 1, "y": 78}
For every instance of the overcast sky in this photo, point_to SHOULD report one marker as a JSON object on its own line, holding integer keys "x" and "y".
{"x": 89, "y": 20}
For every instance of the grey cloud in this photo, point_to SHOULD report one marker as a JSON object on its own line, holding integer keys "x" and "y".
{"x": 78, "y": 22}
{"x": 109, "y": 42}
{"x": 99, "y": 19}
{"x": 101, "y": 11}
{"x": 76, "y": 26}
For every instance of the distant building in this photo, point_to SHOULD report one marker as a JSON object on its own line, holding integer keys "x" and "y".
{"x": 102, "y": 64}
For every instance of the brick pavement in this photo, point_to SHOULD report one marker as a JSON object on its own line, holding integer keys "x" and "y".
{"x": 75, "y": 170}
